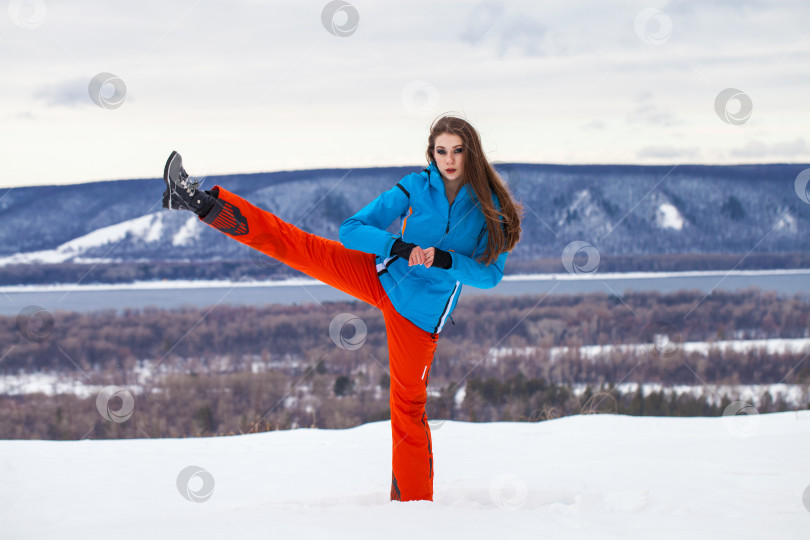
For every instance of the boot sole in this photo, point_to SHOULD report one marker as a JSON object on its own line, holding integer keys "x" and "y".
{"x": 166, "y": 172}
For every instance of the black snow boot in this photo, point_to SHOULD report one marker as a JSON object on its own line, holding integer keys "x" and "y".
{"x": 182, "y": 193}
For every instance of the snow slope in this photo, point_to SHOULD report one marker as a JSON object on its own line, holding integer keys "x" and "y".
{"x": 150, "y": 228}
{"x": 581, "y": 477}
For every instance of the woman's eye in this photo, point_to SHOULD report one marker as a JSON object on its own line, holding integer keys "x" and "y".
{"x": 457, "y": 150}
{"x": 440, "y": 152}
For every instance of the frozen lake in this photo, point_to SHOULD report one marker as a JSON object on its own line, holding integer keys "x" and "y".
{"x": 172, "y": 294}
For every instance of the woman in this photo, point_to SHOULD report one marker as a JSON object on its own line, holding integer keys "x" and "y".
{"x": 459, "y": 221}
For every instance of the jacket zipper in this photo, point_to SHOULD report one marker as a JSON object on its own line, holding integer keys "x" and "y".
{"x": 446, "y": 307}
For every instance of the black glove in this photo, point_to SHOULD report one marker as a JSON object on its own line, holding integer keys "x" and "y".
{"x": 442, "y": 259}
{"x": 402, "y": 249}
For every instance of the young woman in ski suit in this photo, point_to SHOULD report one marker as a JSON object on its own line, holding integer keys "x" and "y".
{"x": 459, "y": 221}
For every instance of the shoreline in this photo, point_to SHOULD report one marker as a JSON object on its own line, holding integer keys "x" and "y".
{"x": 295, "y": 282}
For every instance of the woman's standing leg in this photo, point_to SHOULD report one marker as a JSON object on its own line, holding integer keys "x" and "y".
{"x": 410, "y": 355}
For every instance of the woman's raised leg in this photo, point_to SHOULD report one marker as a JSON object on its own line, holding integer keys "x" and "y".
{"x": 328, "y": 261}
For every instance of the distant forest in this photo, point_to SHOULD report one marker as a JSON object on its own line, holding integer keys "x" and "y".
{"x": 224, "y": 370}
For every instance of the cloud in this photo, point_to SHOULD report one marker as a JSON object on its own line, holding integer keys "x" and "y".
{"x": 22, "y": 115}
{"x": 667, "y": 152}
{"x": 68, "y": 93}
{"x": 491, "y": 21}
{"x": 756, "y": 149}
{"x": 649, "y": 113}
{"x": 595, "y": 124}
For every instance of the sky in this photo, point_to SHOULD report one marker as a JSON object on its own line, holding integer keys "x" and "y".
{"x": 104, "y": 90}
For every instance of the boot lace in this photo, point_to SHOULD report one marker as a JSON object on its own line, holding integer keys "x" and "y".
{"x": 189, "y": 184}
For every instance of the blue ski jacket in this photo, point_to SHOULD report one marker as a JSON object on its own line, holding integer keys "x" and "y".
{"x": 425, "y": 296}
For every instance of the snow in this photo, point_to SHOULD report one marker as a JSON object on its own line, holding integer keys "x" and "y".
{"x": 187, "y": 233}
{"x": 795, "y": 394}
{"x": 47, "y": 383}
{"x": 580, "y": 477}
{"x": 770, "y": 346}
{"x": 148, "y": 228}
{"x": 668, "y": 217}
{"x": 786, "y": 223}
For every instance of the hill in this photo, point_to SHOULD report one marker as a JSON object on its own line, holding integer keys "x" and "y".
{"x": 622, "y": 210}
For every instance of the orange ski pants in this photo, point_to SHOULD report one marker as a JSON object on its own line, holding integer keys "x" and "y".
{"x": 410, "y": 349}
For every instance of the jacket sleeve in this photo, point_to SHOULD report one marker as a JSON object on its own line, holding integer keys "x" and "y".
{"x": 469, "y": 271}
{"x": 365, "y": 231}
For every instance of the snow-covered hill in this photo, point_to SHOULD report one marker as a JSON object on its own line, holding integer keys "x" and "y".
{"x": 617, "y": 209}
{"x": 157, "y": 229}
{"x": 582, "y": 477}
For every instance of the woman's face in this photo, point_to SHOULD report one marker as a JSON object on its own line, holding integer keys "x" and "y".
{"x": 449, "y": 156}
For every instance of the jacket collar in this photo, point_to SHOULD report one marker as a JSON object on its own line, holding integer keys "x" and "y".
{"x": 435, "y": 179}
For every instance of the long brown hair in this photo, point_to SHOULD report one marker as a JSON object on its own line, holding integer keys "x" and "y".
{"x": 504, "y": 226}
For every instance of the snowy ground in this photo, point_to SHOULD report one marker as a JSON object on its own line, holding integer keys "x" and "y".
{"x": 583, "y": 477}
